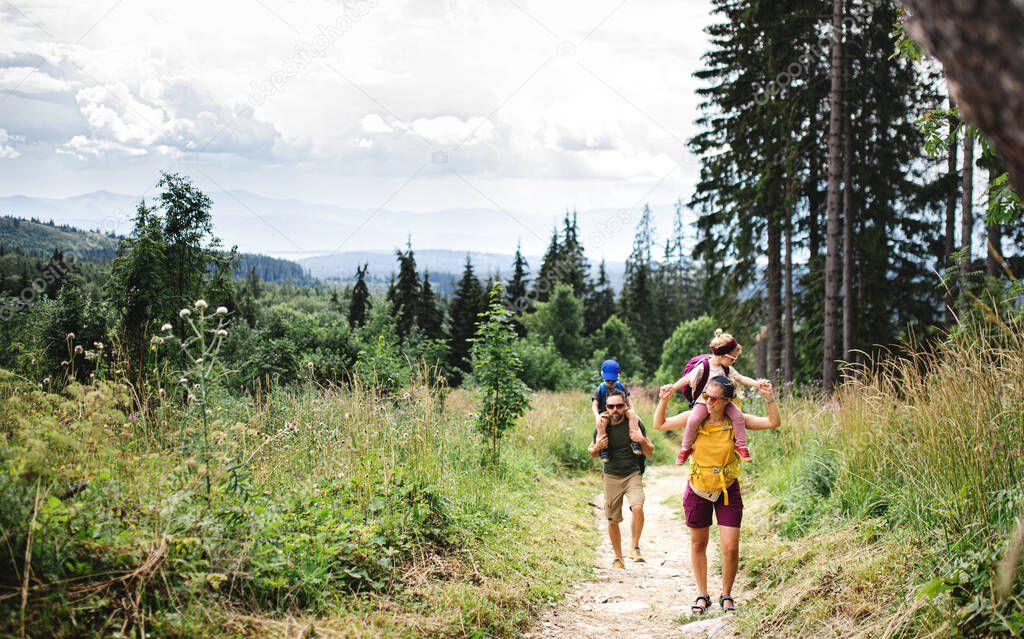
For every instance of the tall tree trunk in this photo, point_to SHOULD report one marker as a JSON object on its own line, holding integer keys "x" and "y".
{"x": 828, "y": 373}
{"x": 949, "y": 243}
{"x": 787, "y": 340}
{"x": 761, "y": 353}
{"x": 967, "y": 218}
{"x": 813, "y": 210}
{"x": 979, "y": 44}
{"x": 847, "y": 219}
{"x": 774, "y": 293}
{"x": 994, "y": 245}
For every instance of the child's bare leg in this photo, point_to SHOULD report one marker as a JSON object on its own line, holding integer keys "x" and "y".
{"x": 693, "y": 422}
{"x": 739, "y": 424}
{"x": 602, "y": 430}
{"x": 697, "y": 417}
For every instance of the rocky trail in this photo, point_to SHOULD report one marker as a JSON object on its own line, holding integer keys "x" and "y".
{"x": 650, "y": 599}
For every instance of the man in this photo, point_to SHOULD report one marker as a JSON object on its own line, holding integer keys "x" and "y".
{"x": 727, "y": 505}
{"x": 610, "y": 382}
{"x": 622, "y": 473}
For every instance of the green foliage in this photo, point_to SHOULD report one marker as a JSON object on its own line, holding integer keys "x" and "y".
{"x": 615, "y": 341}
{"x": 559, "y": 320}
{"x": 466, "y": 306}
{"x": 543, "y": 367}
{"x": 497, "y": 372}
{"x": 689, "y": 339}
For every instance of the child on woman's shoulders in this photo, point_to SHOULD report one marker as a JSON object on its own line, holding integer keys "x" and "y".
{"x": 725, "y": 350}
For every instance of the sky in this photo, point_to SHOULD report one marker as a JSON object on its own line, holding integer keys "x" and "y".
{"x": 505, "y": 105}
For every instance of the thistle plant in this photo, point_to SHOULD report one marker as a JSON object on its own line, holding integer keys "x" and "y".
{"x": 204, "y": 335}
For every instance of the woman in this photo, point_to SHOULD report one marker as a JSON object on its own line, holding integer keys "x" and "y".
{"x": 726, "y": 505}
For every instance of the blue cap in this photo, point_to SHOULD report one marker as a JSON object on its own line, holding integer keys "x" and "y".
{"x": 610, "y": 370}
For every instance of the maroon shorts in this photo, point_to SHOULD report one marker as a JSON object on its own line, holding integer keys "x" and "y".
{"x": 698, "y": 510}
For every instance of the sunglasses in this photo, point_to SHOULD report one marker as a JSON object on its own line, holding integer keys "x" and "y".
{"x": 708, "y": 398}
{"x": 614, "y": 406}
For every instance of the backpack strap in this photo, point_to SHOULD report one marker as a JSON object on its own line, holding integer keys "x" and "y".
{"x": 705, "y": 371}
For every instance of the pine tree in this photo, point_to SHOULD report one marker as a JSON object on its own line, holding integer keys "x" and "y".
{"x": 429, "y": 318}
{"x": 637, "y": 297}
{"x": 550, "y": 267}
{"x": 573, "y": 260}
{"x": 517, "y": 297}
{"x": 467, "y": 304}
{"x": 359, "y": 303}
{"x": 405, "y": 292}
{"x": 599, "y": 303}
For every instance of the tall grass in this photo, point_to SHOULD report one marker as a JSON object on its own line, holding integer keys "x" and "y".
{"x": 323, "y": 503}
{"x": 929, "y": 445}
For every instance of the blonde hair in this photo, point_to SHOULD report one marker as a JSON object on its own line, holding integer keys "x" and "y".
{"x": 721, "y": 338}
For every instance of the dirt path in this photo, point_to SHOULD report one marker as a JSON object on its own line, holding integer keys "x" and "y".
{"x": 650, "y": 599}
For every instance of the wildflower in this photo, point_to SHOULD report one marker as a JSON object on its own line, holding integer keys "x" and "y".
{"x": 223, "y": 333}
{"x": 71, "y": 336}
{"x": 79, "y": 350}
{"x": 201, "y": 304}
{"x": 90, "y": 355}
{"x": 222, "y": 310}
{"x": 529, "y": 438}
{"x": 199, "y": 360}
{"x": 160, "y": 392}
{"x": 183, "y": 380}
{"x": 156, "y": 339}
{"x": 184, "y": 313}
{"x": 98, "y": 345}
{"x": 166, "y": 327}
{"x": 46, "y": 380}
{"x": 64, "y": 363}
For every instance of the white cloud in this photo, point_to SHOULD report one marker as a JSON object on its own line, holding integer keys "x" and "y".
{"x": 30, "y": 80}
{"x": 7, "y": 151}
{"x": 400, "y": 81}
{"x": 448, "y": 130}
{"x": 373, "y": 123}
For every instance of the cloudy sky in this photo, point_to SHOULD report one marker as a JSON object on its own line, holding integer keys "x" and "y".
{"x": 510, "y": 105}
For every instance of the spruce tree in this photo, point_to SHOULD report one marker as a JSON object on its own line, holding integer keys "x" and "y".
{"x": 429, "y": 317}
{"x": 516, "y": 294}
{"x": 550, "y": 268}
{"x": 637, "y": 297}
{"x": 405, "y": 294}
{"x": 599, "y": 303}
{"x": 467, "y": 304}
{"x": 359, "y": 303}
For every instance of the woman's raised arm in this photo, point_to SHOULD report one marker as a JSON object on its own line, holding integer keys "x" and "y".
{"x": 670, "y": 423}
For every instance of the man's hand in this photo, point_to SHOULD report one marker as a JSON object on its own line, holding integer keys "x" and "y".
{"x": 637, "y": 436}
{"x": 600, "y": 444}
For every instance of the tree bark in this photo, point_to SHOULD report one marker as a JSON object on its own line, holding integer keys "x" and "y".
{"x": 994, "y": 236}
{"x": 787, "y": 340}
{"x": 832, "y": 227}
{"x": 847, "y": 220}
{"x": 967, "y": 218}
{"x": 979, "y": 43}
{"x": 774, "y": 293}
{"x": 949, "y": 242}
{"x": 761, "y": 353}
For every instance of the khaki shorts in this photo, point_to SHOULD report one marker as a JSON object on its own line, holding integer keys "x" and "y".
{"x": 618, "y": 486}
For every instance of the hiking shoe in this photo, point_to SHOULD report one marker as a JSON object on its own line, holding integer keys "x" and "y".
{"x": 636, "y": 448}
{"x": 636, "y": 556}
{"x": 683, "y": 455}
{"x": 743, "y": 453}
{"x": 604, "y": 455}
{"x": 619, "y": 564}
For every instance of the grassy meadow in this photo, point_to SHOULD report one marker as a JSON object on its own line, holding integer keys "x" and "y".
{"x": 890, "y": 509}
{"x": 315, "y": 507}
